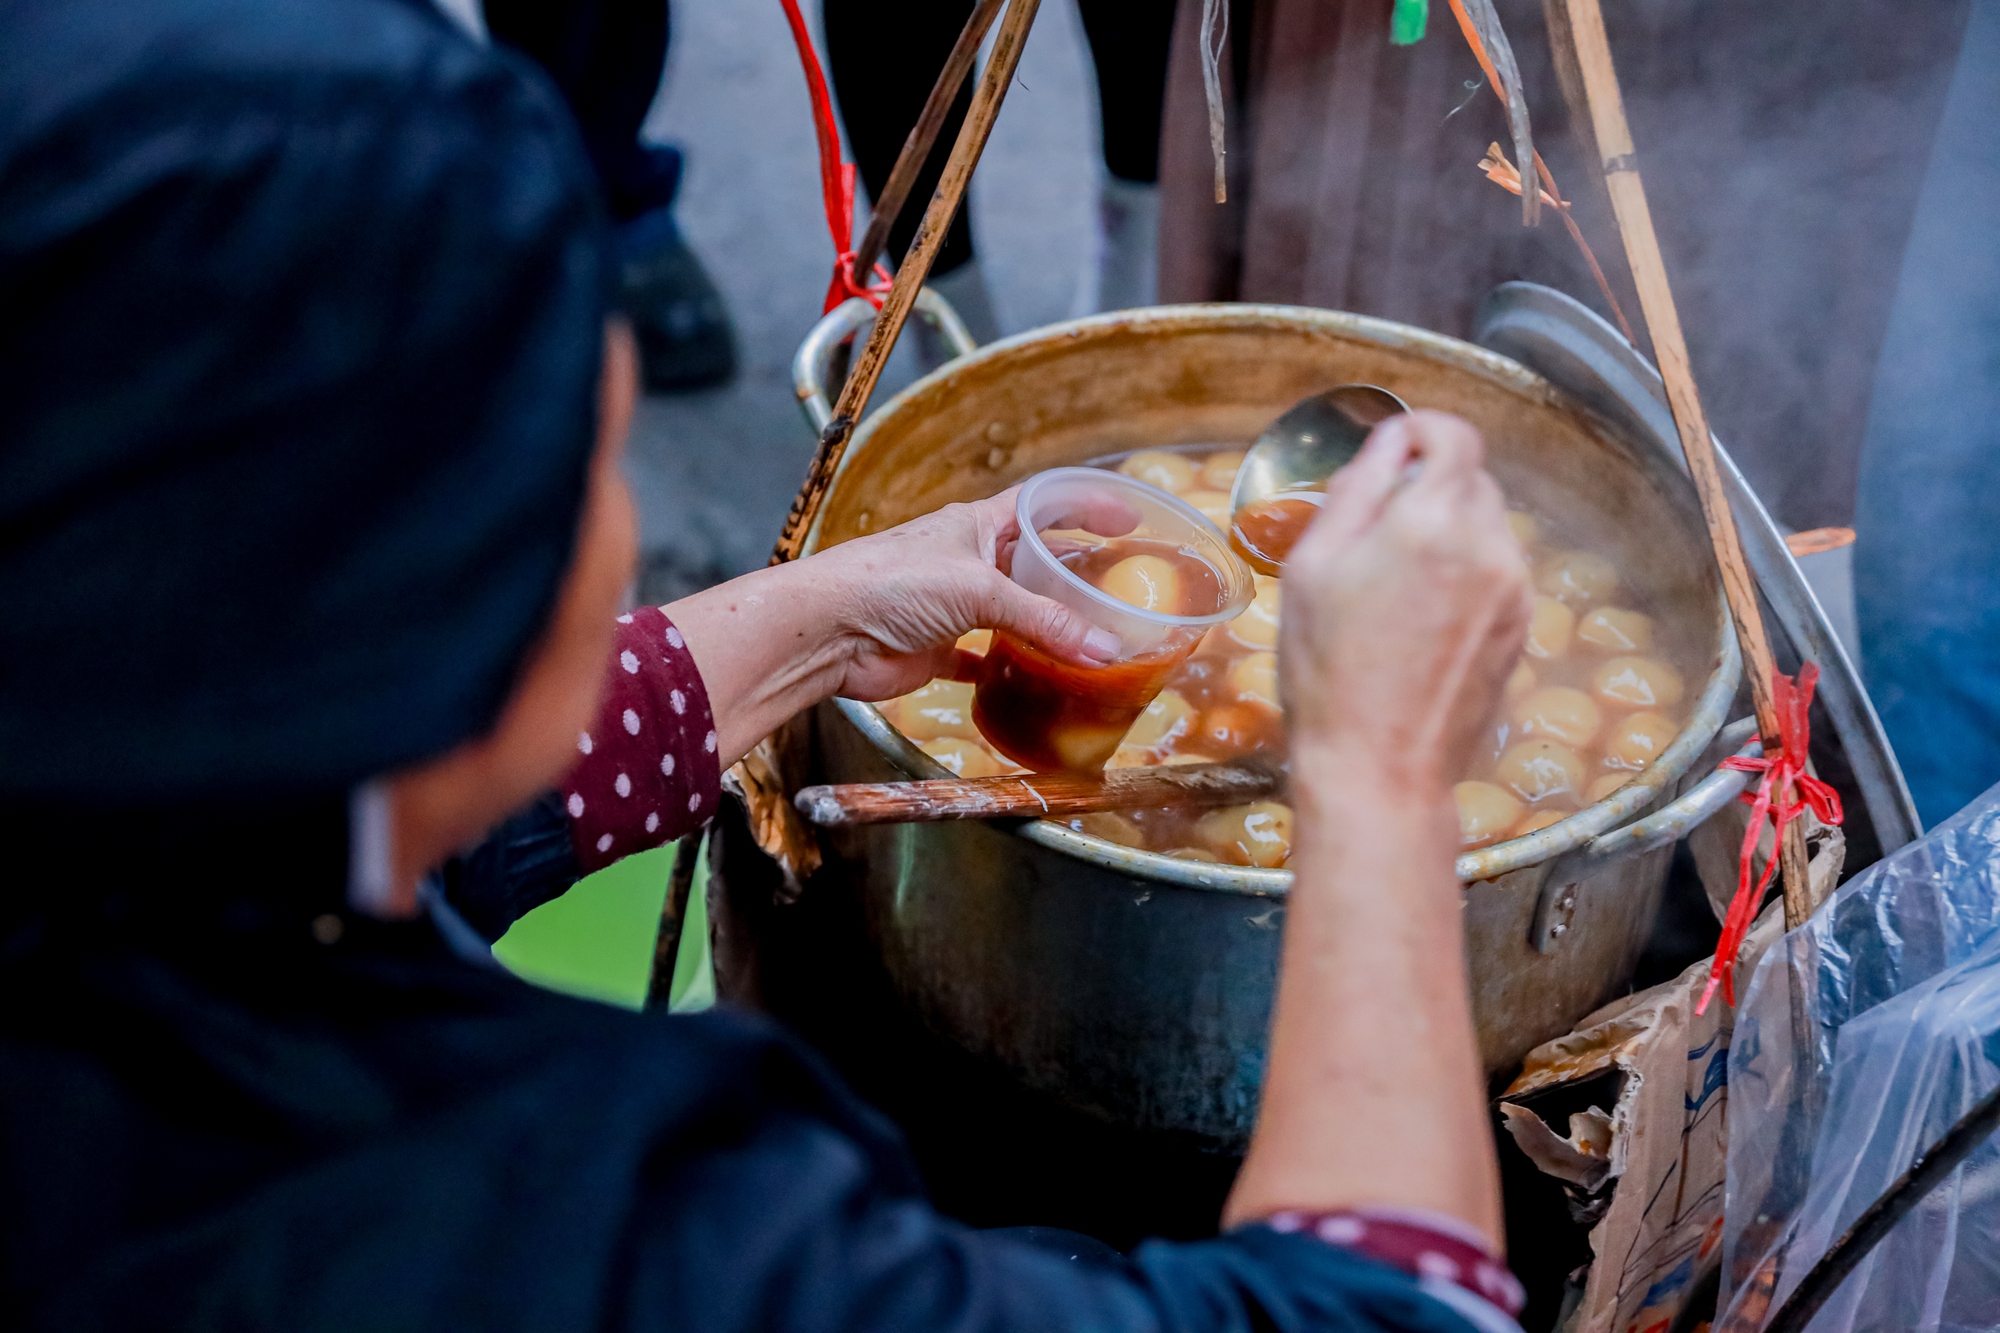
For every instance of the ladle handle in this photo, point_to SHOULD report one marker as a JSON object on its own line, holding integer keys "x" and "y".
{"x": 1034, "y": 795}
{"x": 812, "y": 366}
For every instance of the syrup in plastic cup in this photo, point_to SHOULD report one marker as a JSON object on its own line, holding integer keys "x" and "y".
{"x": 1051, "y": 716}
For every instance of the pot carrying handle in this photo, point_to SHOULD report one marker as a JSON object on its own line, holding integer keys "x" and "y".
{"x": 813, "y": 364}
{"x": 1681, "y": 816}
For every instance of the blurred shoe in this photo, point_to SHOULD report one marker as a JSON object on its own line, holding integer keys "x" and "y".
{"x": 964, "y": 290}
{"x": 685, "y": 339}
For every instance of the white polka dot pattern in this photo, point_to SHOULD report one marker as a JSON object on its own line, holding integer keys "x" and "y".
{"x": 651, "y": 754}
{"x": 1432, "y": 1264}
{"x": 1448, "y": 1258}
{"x": 1341, "y": 1230}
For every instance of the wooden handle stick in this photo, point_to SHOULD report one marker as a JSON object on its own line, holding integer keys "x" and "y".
{"x": 910, "y": 275}
{"x": 673, "y": 917}
{"x": 917, "y": 148}
{"x": 910, "y": 161}
{"x": 1034, "y": 795}
{"x": 1656, "y": 299}
{"x": 761, "y": 772}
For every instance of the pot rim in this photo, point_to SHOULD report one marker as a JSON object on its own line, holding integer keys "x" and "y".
{"x": 1623, "y": 805}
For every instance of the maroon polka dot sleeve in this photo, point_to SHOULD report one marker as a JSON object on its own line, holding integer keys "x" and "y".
{"x": 647, "y": 770}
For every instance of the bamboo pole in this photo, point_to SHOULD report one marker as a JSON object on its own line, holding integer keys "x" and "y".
{"x": 760, "y": 774}
{"x": 917, "y": 147}
{"x": 910, "y": 161}
{"x": 673, "y": 918}
{"x": 1034, "y": 795}
{"x": 910, "y": 275}
{"x": 1656, "y": 301}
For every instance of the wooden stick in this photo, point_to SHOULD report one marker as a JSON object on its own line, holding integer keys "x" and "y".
{"x": 1569, "y": 78}
{"x": 1656, "y": 300}
{"x": 1034, "y": 795}
{"x": 917, "y": 148}
{"x": 1503, "y": 173}
{"x": 1510, "y": 97}
{"x": 1571, "y": 81}
{"x": 910, "y": 161}
{"x": 910, "y": 275}
{"x": 673, "y": 917}
{"x": 1490, "y": 48}
{"x": 1814, "y": 540}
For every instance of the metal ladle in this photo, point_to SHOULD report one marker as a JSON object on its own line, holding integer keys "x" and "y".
{"x": 1283, "y": 477}
{"x": 1313, "y": 440}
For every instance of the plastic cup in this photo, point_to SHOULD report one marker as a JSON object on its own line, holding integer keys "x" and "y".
{"x": 1051, "y": 716}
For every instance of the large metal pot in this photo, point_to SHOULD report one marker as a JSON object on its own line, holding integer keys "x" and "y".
{"x": 1138, "y": 987}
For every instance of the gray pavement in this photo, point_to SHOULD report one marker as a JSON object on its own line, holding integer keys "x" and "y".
{"x": 714, "y": 472}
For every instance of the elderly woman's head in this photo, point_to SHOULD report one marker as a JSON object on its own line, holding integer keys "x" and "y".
{"x": 308, "y": 460}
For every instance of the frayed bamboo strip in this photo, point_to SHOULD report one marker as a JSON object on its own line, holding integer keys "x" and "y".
{"x": 1504, "y": 174}
{"x": 917, "y": 147}
{"x": 1480, "y": 23}
{"x": 1510, "y": 95}
{"x": 1214, "y": 32}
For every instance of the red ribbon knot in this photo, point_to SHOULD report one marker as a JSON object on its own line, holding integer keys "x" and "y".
{"x": 1782, "y": 772}
{"x": 836, "y": 178}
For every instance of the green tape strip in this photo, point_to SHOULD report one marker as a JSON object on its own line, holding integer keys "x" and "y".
{"x": 1408, "y": 21}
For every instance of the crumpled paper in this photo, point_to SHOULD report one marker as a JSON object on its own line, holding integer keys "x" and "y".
{"x": 1650, "y": 1167}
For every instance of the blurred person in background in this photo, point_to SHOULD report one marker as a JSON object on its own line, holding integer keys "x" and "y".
{"x": 1927, "y": 553}
{"x": 606, "y": 57}
{"x": 885, "y": 56}
{"x": 312, "y": 542}
{"x": 1783, "y": 145}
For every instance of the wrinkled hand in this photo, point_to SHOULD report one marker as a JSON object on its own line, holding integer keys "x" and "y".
{"x": 1406, "y": 604}
{"x": 909, "y": 593}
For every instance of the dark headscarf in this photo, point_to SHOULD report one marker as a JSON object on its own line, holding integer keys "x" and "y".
{"x": 301, "y": 312}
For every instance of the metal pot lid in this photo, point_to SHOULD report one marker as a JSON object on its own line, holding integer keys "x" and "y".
{"x": 1577, "y": 351}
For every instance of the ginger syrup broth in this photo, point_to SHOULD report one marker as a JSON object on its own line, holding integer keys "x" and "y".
{"x": 1050, "y": 716}
{"x": 1265, "y": 532}
{"x": 1603, "y": 686}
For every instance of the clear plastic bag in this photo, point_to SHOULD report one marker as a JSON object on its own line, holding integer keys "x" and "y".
{"x": 1893, "y": 991}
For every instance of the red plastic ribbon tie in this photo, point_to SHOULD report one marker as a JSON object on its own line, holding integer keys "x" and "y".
{"x": 836, "y": 178}
{"x": 1782, "y": 771}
